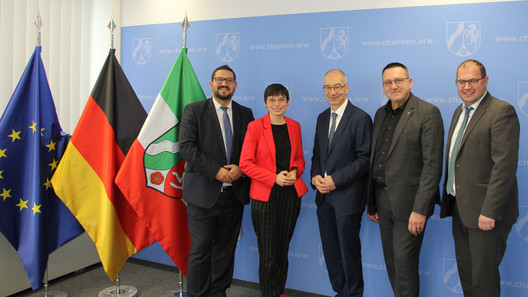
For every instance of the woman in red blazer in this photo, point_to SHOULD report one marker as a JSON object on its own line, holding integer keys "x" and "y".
{"x": 272, "y": 156}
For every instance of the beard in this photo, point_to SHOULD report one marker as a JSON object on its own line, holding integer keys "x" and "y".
{"x": 220, "y": 97}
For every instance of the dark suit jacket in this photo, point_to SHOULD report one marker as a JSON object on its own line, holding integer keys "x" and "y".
{"x": 258, "y": 159}
{"x": 202, "y": 147}
{"x": 486, "y": 165}
{"x": 346, "y": 159}
{"x": 414, "y": 161}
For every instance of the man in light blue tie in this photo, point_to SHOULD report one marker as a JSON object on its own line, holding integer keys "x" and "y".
{"x": 480, "y": 189}
{"x": 211, "y": 135}
{"x": 339, "y": 172}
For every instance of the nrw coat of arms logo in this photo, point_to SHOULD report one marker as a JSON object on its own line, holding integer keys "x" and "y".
{"x": 142, "y": 50}
{"x": 334, "y": 42}
{"x": 321, "y": 259}
{"x": 522, "y": 95}
{"x": 450, "y": 276}
{"x": 463, "y": 38}
{"x": 522, "y": 223}
{"x": 227, "y": 46}
{"x": 159, "y": 159}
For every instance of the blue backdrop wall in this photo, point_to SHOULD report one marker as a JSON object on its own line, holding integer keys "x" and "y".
{"x": 296, "y": 50}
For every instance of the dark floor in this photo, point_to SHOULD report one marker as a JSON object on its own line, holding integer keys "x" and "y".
{"x": 150, "y": 279}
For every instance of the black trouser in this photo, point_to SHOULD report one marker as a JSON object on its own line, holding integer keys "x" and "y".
{"x": 479, "y": 254}
{"x": 274, "y": 222}
{"x": 401, "y": 249}
{"x": 214, "y": 234}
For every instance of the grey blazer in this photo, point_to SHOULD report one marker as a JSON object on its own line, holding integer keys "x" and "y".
{"x": 486, "y": 165}
{"x": 414, "y": 161}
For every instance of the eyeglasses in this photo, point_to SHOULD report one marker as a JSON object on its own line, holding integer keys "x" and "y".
{"x": 220, "y": 80}
{"x": 398, "y": 82}
{"x": 273, "y": 101}
{"x": 471, "y": 82}
{"x": 336, "y": 88}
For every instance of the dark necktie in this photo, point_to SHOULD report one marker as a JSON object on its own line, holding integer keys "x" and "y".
{"x": 454, "y": 153}
{"x": 332, "y": 128}
{"x": 228, "y": 133}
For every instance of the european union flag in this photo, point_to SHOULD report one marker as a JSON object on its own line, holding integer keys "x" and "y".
{"x": 32, "y": 218}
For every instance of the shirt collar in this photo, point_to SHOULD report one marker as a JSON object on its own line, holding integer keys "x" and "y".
{"x": 341, "y": 110}
{"x": 388, "y": 107}
{"x": 218, "y": 105}
{"x": 476, "y": 104}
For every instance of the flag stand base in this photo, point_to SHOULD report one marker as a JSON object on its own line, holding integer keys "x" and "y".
{"x": 118, "y": 290}
{"x": 177, "y": 293}
{"x": 48, "y": 293}
{"x": 124, "y": 291}
{"x": 174, "y": 293}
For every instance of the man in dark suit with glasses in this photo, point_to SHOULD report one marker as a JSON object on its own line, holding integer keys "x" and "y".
{"x": 215, "y": 190}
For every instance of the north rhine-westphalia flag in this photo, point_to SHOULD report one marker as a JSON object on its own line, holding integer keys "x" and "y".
{"x": 84, "y": 179}
{"x": 152, "y": 175}
{"x": 32, "y": 218}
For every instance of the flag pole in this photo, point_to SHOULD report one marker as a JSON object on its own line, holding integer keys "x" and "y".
{"x": 51, "y": 293}
{"x": 117, "y": 290}
{"x": 180, "y": 292}
{"x": 185, "y": 25}
{"x": 38, "y": 24}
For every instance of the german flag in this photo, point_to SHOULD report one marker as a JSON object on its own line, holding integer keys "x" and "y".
{"x": 84, "y": 179}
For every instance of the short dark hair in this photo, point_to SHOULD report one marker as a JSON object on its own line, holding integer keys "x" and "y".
{"x": 394, "y": 65}
{"x": 223, "y": 67}
{"x": 479, "y": 65}
{"x": 276, "y": 90}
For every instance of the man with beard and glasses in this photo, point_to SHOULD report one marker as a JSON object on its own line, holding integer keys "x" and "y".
{"x": 215, "y": 190}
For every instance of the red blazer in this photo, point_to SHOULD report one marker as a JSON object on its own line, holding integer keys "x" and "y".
{"x": 258, "y": 161}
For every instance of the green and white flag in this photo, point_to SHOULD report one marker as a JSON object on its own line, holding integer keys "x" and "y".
{"x": 151, "y": 176}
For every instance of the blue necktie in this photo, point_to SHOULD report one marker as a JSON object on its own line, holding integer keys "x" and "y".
{"x": 228, "y": 133}
{"x": 454, "y": 153}
{"x": 332, "y": 128}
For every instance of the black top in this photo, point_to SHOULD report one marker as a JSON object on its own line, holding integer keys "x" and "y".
{"x": 392, "y": 117}
{"x": 282, "y": 146}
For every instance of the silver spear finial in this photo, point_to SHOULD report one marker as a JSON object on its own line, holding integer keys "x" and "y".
{"x": 185, "y": 25}
{"x": 38, "y": 24}
{"x": 112, "y": 27}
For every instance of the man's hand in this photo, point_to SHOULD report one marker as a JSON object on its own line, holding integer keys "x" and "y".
{"x": 234, "y": 171}
{"x": 416, "y": 223}
{"x": 319, "y": 183}
{"x": 323, "y": 184}
{"x": 223, "y": 176}
{"x": 374, "y": 218}
{"x": 485, "y": 223}
{"x": 330, "y": 183}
